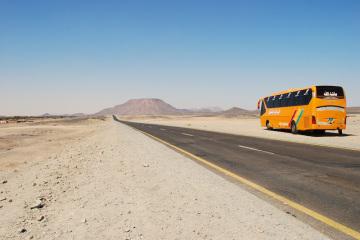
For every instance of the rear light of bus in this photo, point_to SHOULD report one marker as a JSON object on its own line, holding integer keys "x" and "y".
{"x": 313, "y": 120}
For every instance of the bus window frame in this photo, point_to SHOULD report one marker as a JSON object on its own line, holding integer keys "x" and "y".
{"x": 301, "y": 97}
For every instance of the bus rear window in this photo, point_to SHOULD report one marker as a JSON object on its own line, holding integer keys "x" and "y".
{"x": 329, "y": 92}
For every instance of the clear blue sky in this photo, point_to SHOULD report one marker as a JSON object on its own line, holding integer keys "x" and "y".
{"x": 82, "y": 56}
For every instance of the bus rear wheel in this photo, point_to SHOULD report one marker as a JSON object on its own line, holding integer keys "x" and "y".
{"x": 340, "y": 131}
{"x": 293, "y": 128}
{"x": 268, "y": 125}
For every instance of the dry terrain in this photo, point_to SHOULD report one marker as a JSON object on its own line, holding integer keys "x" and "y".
{"x": 96, "y": 179}
{"x": 250, "y": 126}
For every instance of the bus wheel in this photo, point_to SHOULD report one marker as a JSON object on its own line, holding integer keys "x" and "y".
{"x": 293, "y": 128}
{"x": 268, "y": 126}
{"x": 340, "y": 131}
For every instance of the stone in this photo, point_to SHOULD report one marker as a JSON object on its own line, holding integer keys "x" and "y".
{"x": 38, "y": 204}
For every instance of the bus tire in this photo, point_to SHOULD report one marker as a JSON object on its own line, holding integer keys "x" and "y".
{"x": 268, "y": 125}
{"x": 340, "y": 131}
{"x": 293, "y": 128}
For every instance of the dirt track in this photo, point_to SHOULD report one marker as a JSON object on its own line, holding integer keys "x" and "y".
{"x": 98, "y": 179}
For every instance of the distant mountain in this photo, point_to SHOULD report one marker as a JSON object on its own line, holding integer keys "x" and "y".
{"x": 206, "y": 110}
{"x": 63, "y": 115}
{"x": 143, "y": 106}
{"x": 238, "y": 112}
{"x": 157, "y": 107}
{"x": 353, "y": 110}
{"x": 76, "y": 115}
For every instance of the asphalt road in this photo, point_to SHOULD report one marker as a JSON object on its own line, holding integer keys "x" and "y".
{"x": 323, "y": 179}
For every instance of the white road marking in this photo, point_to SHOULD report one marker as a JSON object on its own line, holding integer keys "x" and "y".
{"x": 162, "y": 129}
{"x": 255, "y": 149}
{"x": 187, "y": 134}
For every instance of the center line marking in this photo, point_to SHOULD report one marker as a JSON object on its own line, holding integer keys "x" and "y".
{"x": 162, "y": 129}
{"x": 187, "y": 134}
{"x": 255, "y": 149}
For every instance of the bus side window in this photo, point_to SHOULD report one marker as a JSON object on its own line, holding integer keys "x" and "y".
{"x": 267, "y": 100}
{"x": 304, "y": 97}
{"x": 262, "y": 109}
{"x": 277, "y": 101}
{"x": 287, "y": 100}
{"x": 272, "y": 102}
{"x": 298, "y": 98}
{"x": 281, "y": 100}
{"x": 292, "y": 100}
{"x": 307, "y": 96}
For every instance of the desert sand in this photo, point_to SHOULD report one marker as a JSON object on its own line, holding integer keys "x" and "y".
{"x": 251, "y": 127}
{"x": 96, "y": 179}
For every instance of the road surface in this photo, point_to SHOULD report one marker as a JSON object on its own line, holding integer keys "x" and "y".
{"x": 324, "y": 179}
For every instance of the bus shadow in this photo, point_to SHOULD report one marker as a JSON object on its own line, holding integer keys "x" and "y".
{"x": 314, "y": 134}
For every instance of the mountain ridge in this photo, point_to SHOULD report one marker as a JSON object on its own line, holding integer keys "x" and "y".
{"x": 155, "y": 106}
{"x": 142, "y": 106}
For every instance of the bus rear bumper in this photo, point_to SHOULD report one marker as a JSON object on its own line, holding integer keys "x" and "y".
{"x": 328, "y": 126}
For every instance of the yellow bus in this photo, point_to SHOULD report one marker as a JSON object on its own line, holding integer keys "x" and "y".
{"x": 316, "y": 108}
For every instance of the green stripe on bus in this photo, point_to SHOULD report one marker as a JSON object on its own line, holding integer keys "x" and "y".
{"x": 300, "y": 115}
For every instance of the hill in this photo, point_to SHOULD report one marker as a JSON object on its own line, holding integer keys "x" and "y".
{"x": 157, "y": 107}
{"x": 238, "y": 112}
{"x": 143, "y": 106}
{"x": 63, "y": 115}
{"x": 206, "y": 110}
{"x": 353, "y": 110}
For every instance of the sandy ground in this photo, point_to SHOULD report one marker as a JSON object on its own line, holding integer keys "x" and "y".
{"x": 103, "y": 180}
{"x": 251, "y": 127}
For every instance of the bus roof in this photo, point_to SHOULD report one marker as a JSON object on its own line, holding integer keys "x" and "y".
{"x": 295, "y": 89}
{"x": 288, "y": 90}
